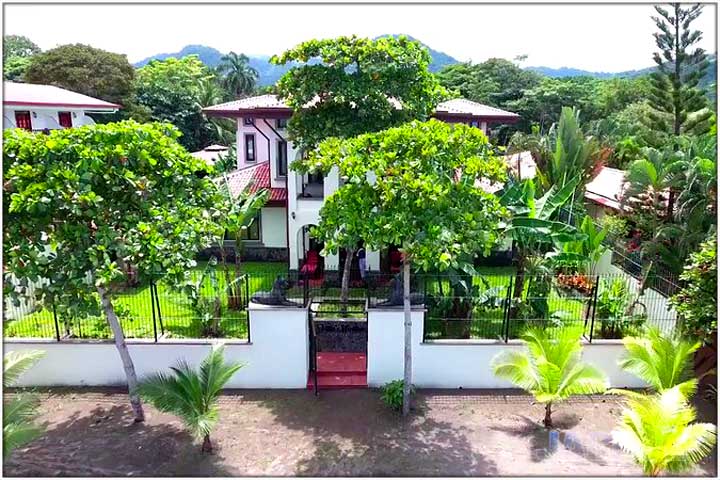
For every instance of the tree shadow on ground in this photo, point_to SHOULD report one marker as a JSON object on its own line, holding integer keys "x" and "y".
{"x": 545, "y": 443}
{"x": 352, "y": 433}
{"x": 106, "y": 442}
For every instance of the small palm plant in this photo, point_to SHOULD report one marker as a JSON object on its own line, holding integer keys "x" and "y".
{"x": 658, "y": 431}
{"x": 19, "y": 413}
{"x": 662, "y": 361}
{"x": 192, "y": 395}
{"x": 551, "y": 369}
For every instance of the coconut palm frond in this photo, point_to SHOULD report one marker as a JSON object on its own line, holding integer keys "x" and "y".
{"x": 662, "y": 361}
{"x": 657, "y": 430}
{"x": 550, "y": 369}
{"x": 18, "y": 426}
{"x": 17, "y": 363}
{"x": 191, "y": 394}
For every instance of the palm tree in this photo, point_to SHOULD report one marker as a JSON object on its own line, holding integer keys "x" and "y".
{"x": 662, "y": 361}
{"x": 19, "y": 413}
{"x": 658, "y": 431}
{"x": 551, "y": 369}
{"x": 239, "y": 77}
{"x": 192, "y": 394}
{"x": 210, "y": 93}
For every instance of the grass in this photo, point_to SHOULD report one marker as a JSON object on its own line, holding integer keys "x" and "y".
{"x": 133, "y": 306}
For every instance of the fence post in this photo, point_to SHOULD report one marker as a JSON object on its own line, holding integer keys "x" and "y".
{"x": 306, "y": 288}
{"x": 57, "y": 326}
{"x": 594, "y": 306}
{"x": 159, "y": 313}
{"x": 506, "y": 313}
{"x": 152, "y": 308}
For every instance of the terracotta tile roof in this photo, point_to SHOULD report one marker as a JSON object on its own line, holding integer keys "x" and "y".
{"x": 271, "y": 103}
{"x": 462, "y": 106}
{"x": 256, "y": 177}
{"x": 30, "y": 94}
{"x": 260, "y": 102}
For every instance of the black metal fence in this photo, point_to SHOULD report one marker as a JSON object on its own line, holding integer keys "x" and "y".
{"x": 477, "y": 307}
{"x": 148, "y": 311}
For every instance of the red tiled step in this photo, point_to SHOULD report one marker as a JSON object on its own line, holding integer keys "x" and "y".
{"x": 338, "y": 381}
{"x": 336, "y": 362}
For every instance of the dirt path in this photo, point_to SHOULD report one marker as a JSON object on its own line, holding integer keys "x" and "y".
{"x": 90, "y": 433}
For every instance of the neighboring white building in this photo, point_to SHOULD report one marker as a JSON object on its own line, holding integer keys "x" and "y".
{"x": 39, "y": 107}
{"x": 264, "y": 153}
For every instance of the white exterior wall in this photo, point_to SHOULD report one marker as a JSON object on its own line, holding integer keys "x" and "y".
{"x": 43, "y": 118}
{"x": 459, "y": 363}
{"x": 275, "y": 357}
{"x": 273, "y": 227}
{"x": 262, "y": 153}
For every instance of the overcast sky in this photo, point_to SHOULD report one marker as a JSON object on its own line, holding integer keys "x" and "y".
{"x": 607, "y": 38}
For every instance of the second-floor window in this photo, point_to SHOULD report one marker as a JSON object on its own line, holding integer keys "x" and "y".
{"x": 65, "y": 119}
{"x": 249, "y": 148}
{"x": 23, "y": 120}
{"x": 282, "y": 157}
{"x": 281, "y": 123}
{"x": 248, "y": 121}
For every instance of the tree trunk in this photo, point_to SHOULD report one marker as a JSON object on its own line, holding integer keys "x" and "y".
{"x": 407, "y": 373}
{"x": 345, "y": 286}
{"x": 128, "y": 365}
{"x": 206, "y": 445}
{"x": 548, "y": 412}
{"x": 238, "y": 272}
{"x": 232, "y": 300}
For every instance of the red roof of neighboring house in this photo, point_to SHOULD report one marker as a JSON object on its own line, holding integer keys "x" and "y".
{"x": 254, "y": 178}
{"x": 33, "y": 95}
{"x": 271, "y": 106}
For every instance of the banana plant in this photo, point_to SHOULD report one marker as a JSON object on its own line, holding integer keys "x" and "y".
{"x": 533, "y": 227}
{"x": 586, "y": 252}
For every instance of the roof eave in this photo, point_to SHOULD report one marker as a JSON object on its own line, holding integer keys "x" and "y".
{"x": 249, "y": 112}
{"x": 511, "y": 118}
{"x": 84, "y": 106}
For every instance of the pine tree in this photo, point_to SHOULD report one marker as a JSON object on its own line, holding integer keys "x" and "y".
{"x": 679, "y": 105}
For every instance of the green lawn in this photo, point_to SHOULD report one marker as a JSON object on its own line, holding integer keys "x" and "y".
{"x": 135, "y": 311}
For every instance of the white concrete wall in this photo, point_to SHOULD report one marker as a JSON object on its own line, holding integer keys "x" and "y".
{"x": 459, "y": 363}
{"x": 262, "y": 153}
{"x": 275, "y": 357}
{"x": 43, "y": 118}
{"x": 273, "y": 226}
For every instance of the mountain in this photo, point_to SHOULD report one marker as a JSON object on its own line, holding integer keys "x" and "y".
{"x": 710, "y": 76}
{"x": 269, "y": 73}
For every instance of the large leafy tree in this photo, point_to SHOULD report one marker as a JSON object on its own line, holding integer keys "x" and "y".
{"x": 171, "y": 89}
{"x": 679, "y": 105}
{"x": 414, "y": 186}
{"x": 347, "y": 86}
{"x": 78, "y": 203}
{"x": 358, "y": 86}
{"x": 550, "y": 369}
{"x": 661, "y": 434}
{"x": 192, "y": 394}
{"x": 18, "y": 46}
{"x": 85, "y": 69}
{"x": 17, "y": 51}
{"x": 697, "y": 301}
{"x": 238, "y": 77}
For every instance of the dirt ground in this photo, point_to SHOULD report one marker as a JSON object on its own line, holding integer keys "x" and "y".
{"x": 282, "y": 433}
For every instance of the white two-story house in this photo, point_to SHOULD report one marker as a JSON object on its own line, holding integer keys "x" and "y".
{"x": 264, "y": 153}
{"x": 46, "y": 107}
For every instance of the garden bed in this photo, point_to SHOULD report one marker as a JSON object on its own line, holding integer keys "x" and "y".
{"x": 284, "y": 433}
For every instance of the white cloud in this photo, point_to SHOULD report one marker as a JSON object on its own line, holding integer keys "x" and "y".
{"x": 592, "y": 37}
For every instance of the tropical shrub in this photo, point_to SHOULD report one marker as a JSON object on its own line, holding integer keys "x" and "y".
{"x": 192, "y": 394}
{"x": 392, "y": 394}
{"x": 663, "y": 361}
{"x": 550, "y": 369}
{"x": 658, "y": 431}
{"x": 612, "y": 309}
{"x": 616, "y": 227}
{"x": 697, "y": 301}
{"x": 19, "y": 413}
